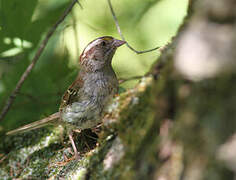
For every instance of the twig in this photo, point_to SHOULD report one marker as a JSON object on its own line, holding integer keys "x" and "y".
{"x": 79, "y": 4}
{"x": 3, "y": 158}
{"x": 129, "y": 79}
{"x": 122, "y": 36}
{"x": 13, "y": 95}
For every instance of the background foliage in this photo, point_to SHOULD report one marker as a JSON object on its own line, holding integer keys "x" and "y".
{"x": 23, "y": 24}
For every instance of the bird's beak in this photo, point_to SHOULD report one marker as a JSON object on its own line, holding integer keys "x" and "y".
{"x": 118, "y": 43}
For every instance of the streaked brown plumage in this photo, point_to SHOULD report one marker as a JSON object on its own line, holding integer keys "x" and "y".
{"x": 83, "y": 103}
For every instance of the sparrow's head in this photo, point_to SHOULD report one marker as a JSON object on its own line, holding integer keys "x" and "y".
{"x": 99, "y": 53}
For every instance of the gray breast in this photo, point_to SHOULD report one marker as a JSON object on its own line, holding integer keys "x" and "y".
{"x": 97, "y": 91}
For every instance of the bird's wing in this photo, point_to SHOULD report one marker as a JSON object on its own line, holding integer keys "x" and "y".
{"x": 71, "y": 94}
{"x": 37, "y": 124}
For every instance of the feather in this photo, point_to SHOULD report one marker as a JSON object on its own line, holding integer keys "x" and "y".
{"x": 50, "y": 120}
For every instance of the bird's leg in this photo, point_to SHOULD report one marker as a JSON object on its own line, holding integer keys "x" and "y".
{"x": 97, "y": 129}
{"x": 73, "y": 144}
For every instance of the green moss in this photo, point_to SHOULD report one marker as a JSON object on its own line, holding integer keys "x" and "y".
{"x": 40, "y": 153}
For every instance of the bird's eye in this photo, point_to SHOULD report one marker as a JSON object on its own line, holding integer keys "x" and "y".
{"x": 103, "y": 43}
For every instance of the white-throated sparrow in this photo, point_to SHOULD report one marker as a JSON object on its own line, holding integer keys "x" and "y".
{"x": 84, "y": 101}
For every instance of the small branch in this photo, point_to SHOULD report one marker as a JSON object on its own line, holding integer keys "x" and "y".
{"x": 122, "y": 36}
{"x": 79, "y": 4}
{"x": 122, "y": 80}
{"x": 13, "y": 95}
{"x": 3, "y": 157}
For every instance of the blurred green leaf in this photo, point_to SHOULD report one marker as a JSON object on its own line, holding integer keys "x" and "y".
{"x": 23, "y": 25}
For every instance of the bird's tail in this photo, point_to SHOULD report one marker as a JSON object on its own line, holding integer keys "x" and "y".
{"x": 37, "y": 124}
